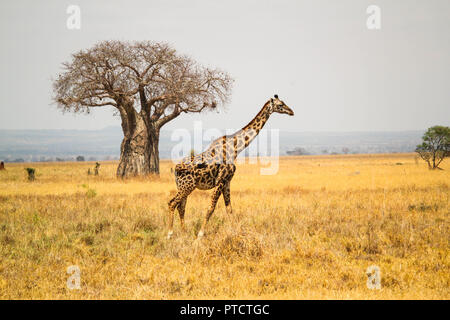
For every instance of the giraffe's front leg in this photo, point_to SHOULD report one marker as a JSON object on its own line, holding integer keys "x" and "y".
{"x": 224, "y": 177}
{"x": 172, "y": 205}
{"x": 227, "y": 198}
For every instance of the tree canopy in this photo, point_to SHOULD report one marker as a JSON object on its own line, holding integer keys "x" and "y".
{"x": 435, "y": 146}
{"x": 148, "y": 83}
{"x": 147, "y": 74}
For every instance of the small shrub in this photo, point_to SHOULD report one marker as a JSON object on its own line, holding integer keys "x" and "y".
{"x": 31, "y": 174}
{"x": 7, "y": 240}
{"x": 97, "y": 167}
{"x": 144, "y": 224}
{"x": 237, "y": 246}
{"x": 87, "y": 239}
{"x": 422, "y": 207}
{"x": 91, "y": 193}
{"x": 101, "y": 226}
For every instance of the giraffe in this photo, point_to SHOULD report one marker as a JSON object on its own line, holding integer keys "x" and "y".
{"x": 214, "y": 168}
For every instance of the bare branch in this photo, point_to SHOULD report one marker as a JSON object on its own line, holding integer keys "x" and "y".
{"x": 160, "y": 83}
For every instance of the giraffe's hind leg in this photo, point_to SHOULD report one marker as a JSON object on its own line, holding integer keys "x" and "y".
{"x": 227, "y": 197}
{"x": 179, "y": 200}
{"x": 226, "y": 189}
{"x": 181, "y": 208}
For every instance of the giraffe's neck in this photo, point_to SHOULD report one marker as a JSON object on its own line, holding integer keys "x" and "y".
{"x": 247, "y": 134}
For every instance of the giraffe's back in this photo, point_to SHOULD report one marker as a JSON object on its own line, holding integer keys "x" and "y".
{"x": 201, "y": 175}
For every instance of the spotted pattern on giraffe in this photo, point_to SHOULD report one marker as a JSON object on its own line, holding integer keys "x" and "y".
{"x": 214, "y": 168}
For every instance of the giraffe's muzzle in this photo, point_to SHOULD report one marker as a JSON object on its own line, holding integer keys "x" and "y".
{"x": 288, "y": 110}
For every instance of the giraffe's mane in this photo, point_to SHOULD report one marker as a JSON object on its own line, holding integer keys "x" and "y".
{"x": 229, "y": 136}
{"x": 263, "y": 109}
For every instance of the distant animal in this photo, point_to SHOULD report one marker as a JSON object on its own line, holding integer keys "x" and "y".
{"x": 2, "y": 165}
{"x": 214, "y": 168}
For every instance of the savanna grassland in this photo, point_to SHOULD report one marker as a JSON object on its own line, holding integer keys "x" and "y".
{"x": 309, "y": 232}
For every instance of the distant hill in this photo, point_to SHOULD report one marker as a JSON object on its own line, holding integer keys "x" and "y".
{"x": 350, "y": 142}
{"x": 45, "y": 145}
{"x": 35, "y": 145}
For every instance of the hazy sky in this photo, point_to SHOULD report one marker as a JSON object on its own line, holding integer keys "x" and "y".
{"x": 318, "y": 56}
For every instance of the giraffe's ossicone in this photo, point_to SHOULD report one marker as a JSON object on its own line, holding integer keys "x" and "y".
{"x": 214, "y": 168}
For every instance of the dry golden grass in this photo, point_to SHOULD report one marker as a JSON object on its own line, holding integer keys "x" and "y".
{"x": 310, "y": 231}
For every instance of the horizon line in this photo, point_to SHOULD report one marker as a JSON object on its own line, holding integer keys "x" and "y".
{"x": 206, "y": 128}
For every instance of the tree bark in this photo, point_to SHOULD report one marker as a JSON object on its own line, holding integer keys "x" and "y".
{"x": 154, "y": 150}
{"x": 139, "y": 152}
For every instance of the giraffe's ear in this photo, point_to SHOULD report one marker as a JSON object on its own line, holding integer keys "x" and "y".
{"x": 276, "y": 96}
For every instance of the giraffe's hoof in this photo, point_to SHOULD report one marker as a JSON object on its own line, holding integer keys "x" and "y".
{"x": 200, "y": 234}
{"x": 169, "y": 235}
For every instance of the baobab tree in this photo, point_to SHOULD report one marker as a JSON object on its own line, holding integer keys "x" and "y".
{"x": 148, "y": 84}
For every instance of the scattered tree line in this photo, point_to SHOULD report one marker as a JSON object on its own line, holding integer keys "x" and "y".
{"x": 435, "y": 147}
{"x": 59, "y": 159}
{"x": 299, "y": 151}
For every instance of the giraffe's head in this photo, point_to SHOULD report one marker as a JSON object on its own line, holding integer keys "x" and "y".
{"x": 276, "y": 105}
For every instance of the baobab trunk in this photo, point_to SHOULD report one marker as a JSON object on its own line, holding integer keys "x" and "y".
{"x": 139, "y": 153}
